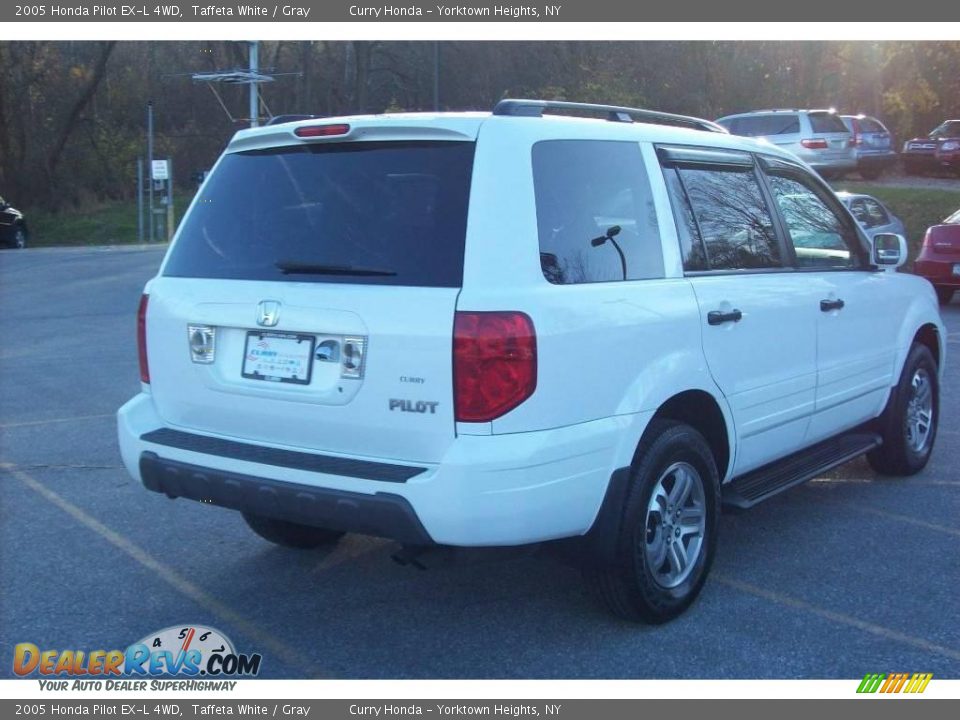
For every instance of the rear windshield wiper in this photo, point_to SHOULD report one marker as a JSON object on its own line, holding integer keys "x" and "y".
{"x": 292, "y": 267}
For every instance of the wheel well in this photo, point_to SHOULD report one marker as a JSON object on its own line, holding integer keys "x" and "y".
{"x": 700, "y": 410}
{"x": 928, "y": 335}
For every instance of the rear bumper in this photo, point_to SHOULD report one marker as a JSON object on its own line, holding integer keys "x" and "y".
{"x": 938, "y": 272}
{"x": 382, "y": 514}
{"x": 487, "y": 490}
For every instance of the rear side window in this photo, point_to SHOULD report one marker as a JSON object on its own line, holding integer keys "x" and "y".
{"x": 757, "y": 125}
{"x": 824, "y": 122}
{"x": 593, "y": 203}
{"x": 732, "y": 219}
{"x": 386, "y": 213}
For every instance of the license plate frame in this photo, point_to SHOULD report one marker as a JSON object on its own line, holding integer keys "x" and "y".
{"x": 283, "y": 359}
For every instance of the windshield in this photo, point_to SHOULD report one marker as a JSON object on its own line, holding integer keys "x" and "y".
{"x": 951, "y": 128}
{"x": 387, "y": 213}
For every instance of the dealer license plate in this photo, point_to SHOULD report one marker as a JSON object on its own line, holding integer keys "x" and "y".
{"x": 278, "y": 357}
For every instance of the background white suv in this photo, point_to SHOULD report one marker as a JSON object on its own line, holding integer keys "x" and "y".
{"x": 508, "y": 328}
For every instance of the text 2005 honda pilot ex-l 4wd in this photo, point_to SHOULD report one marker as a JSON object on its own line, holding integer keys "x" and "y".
{"x": 521, "y": 326}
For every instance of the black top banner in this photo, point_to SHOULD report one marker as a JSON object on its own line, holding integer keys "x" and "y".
{"x": 420, "y": 11}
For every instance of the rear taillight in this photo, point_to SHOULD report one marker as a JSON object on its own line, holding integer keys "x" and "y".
{"x": 494, "y": 363}
{"x": 142, "y": 338}
{"x": 814, "y": 144}
{"x": 309, "y": 131}
{"x": 926, "y": 239}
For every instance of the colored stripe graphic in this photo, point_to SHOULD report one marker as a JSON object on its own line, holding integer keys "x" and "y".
{"x": 894, "y": 682}
{"x": 871, "y": 681}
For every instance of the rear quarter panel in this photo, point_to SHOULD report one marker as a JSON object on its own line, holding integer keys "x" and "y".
{"x": 604, "y": 349}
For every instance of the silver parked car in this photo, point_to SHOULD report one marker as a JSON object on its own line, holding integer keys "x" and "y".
{"x": 872, "y": 144}
{"x": 818, "y": 137}
{"x": 874, "y": 217}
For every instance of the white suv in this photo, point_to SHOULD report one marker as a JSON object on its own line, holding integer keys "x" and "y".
{"x": 514, "y": 327}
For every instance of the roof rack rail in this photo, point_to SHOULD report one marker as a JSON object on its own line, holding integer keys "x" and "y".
{"x": 614, "y": 113}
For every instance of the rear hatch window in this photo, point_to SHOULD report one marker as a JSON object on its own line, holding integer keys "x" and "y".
{"x": 869, "y": 125}
{"x": 757, "y": 125}
{"x": 383, "y": 213}
{"x": 825, "y": 122}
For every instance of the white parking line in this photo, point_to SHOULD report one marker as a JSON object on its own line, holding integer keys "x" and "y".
{"x": 208, "y": 602}
{"x": 79, "y": 418}
{"x": 842, "y": 618}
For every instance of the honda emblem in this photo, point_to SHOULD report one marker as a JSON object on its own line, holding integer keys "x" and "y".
{"x": 268, "y": 313}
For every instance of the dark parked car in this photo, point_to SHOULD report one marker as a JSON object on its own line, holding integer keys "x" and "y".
{"x": 939, "y": 258}
{"x": 939, "y": 149}
{"x": 872, "y": 144}
{"x": 13, "y": 228}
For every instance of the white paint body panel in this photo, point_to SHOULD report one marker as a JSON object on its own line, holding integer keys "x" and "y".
{"x": 609, "y": 354}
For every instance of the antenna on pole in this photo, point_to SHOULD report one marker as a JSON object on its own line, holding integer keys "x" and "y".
{"x": 251, "y": 76}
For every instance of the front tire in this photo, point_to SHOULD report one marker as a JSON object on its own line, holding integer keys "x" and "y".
{"x": 945, "y": 295}
{"x": 668, "y": 530}
{"x": 908, "y": 425}
{"x": 19, "y": 237}
{"x": 292, "y": 535}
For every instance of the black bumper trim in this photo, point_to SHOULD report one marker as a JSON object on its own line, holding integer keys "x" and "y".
{"x": 293, "y": 459}
{"x": 382, "y": 514}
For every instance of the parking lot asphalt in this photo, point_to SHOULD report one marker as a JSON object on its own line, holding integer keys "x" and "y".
{"x": 845, "y": 575}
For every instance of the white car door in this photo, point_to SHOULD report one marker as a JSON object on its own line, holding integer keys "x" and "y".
{"x": 860, "y": 308}
{"x": 758, "y": 316}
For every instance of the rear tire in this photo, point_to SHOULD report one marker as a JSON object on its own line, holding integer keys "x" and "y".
{"x": 668, "y": 530}
{"x": 909, "y": 423}
{"x": 292, "y": 535}
{"x": 945, "y": 295}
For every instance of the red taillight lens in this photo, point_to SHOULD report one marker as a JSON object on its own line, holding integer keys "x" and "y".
{"x": 814, "y": 144}
{"x": 308, "y": 131}
{"x": 494, "y": 363}
{"x": 142, "y": 338}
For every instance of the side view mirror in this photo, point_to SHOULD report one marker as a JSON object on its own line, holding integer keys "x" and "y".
{"x": 889, "y": 250}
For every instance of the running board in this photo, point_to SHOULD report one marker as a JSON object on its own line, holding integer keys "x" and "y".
{"x": 758, "y": 485}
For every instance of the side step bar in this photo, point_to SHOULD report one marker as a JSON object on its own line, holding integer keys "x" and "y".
{"x": 763, "y": 483}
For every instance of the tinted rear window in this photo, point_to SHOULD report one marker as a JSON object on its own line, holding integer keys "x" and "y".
{"x": 757, "y": 125}
{"x": 399, "y": 209}
{"x": 586, "y": 191}
{"x": 869, "y": 125}
{"x": 824, "y": 122}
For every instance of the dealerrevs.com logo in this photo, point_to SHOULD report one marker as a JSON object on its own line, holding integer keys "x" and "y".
{"x": 181, "y": 651}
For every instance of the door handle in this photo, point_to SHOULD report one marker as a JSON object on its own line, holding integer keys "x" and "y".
{"x": 828, "y": 305}
{"x": 718, "y": 317}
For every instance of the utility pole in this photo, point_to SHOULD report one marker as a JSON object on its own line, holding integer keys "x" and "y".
{"x": 150, "y": 162}
{"x": 139, "y": 198}
{"x": 254, "y": 87}
{"x": 436, "y": 76}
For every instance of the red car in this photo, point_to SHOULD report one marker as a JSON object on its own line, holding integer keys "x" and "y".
{"x": 939, "y": 258}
